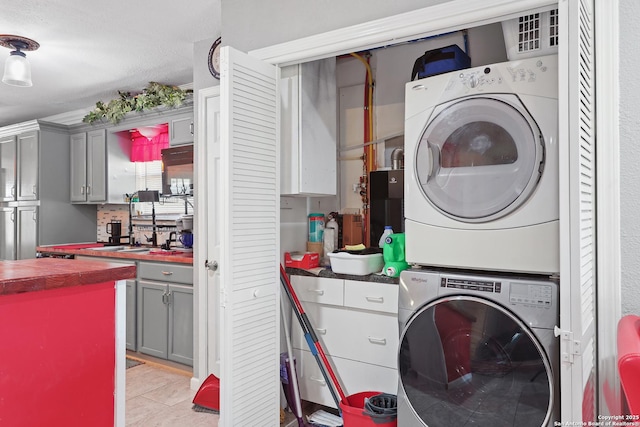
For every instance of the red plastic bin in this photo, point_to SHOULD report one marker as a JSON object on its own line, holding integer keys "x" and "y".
{"x": 354, "y": 415}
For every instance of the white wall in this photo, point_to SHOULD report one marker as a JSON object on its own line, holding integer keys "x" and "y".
{"x": 252, "y": 24}
{"x": 391, "y": 68}
{"x": 630, "y": 155}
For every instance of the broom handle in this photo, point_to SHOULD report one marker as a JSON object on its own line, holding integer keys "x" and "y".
{"x": 315, "y": 338}
{"x": 307, "y": 337}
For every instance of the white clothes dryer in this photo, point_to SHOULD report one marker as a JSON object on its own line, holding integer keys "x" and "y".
{"x": 477, "y": 350}
{"x": 481, "y": 152}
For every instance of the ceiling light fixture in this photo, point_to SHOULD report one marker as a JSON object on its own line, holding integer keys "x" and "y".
{"x": 17, "y": 71}
{"x": 150, "y": 132}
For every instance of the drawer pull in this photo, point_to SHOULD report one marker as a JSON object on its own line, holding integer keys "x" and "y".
{"x": 322, "y": 331}
{"x": 317, "y": 291}
{"x": 318, "y": 380}
{"x": 381, "y": 341}
{"x": 167, "y": 273}
{"x": 375, "y": 299}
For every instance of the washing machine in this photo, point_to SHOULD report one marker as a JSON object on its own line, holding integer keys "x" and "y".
{"x": 481, "y": 168}
{"x": 477, "y": 349}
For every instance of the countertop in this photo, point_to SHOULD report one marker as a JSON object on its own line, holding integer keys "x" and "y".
{"x": 31, "y": 275}
{"x": 327, "y": 272}
{"x": 85, "y": 249}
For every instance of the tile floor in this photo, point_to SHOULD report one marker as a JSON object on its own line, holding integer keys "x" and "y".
{"x": 159, "y": 396}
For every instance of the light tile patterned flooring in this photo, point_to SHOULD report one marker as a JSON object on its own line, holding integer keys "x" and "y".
{"x": 159, "y": 396}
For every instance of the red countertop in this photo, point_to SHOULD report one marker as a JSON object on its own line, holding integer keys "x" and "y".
{"x": 85, "y": 249}
{"x": 39, "y": 274}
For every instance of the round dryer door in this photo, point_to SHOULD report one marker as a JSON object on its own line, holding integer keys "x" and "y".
{"x": 480, "y": 157}
{"x": 468, "y": 361}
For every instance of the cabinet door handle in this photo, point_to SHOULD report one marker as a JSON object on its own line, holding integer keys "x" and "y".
{"x": 169, "y": 298}
{"x": 35, "y": 216}
{"x": 35, "y": 189}
{"x": 318, "y": 380}
{"x": 164, "y": 297}
{"x": 88, "y": 189}
{"x": 13, "y": 216}
{"x": 13, "y": 191}
{"x": 167, "y": 273}
{"x": 375, "y": 299}
{"x": 317, "y": 291}
{"x": 381, "y": 341}
{"x": 82, "y": 189}
{"x": 191, "y": 128}
{"x": 322, "y": 331}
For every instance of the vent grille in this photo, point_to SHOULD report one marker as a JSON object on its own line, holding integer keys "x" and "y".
{"x": 529, "y": 32}
{"x": 533, "y": 34}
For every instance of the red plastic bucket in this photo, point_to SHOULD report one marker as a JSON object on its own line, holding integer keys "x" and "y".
{"x": 354, "y": 414}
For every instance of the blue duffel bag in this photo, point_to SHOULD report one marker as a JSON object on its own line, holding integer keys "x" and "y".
{"x": 438, "y": 61}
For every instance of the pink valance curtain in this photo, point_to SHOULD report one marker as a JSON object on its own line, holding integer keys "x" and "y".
{"x": 148, "y": 150}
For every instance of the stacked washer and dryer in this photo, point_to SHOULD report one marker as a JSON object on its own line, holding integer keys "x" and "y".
{"x": 477, "y": 312}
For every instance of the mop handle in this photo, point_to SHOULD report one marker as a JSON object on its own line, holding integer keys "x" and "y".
{"x": 317, "y": 344}
{"x": 292, "y": 364}
{"x": 307, "y": 336}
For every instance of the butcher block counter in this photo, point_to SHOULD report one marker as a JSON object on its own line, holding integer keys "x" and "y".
{"x": 40, "y": 274}
{"x": 128, "y": 253}
{"x": 62, "y": 342}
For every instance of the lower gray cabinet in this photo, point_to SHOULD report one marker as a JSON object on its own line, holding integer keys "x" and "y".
{"x": 131, "y": 315}
{"x": 18, "y": 232}
{"x": 165, "y": 312}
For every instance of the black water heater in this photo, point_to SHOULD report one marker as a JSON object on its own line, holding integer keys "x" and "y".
{"x": 386, "y": 202}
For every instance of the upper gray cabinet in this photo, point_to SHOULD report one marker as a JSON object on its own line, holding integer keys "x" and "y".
{"x": 8, "y": 168}
{"x": 89, "y": 166}
{"x": 308, "y": 129}
{"x": 19, "y": 167}
{"x": 181, "y": 130}
{"x": 28, "y": 150}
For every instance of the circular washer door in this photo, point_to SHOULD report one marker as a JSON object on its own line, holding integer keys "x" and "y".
{"x": 480, "y": 158}
{"x": 468, "y": 361}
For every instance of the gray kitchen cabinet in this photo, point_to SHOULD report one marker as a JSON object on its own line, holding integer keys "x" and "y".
{"x": 180, "y": 344}
{"x": 7, "y": 233}
{"x": 18, "y": 232}
{"x": 88, "y": 151}
{"x": 27, "y": 232}
{"x": 28, "y": 144}
{"x": 165, "y": 311}
{"x": 181, "y": 130}
{"x": 19, "y": 166}
{"x": 8, "y": 168}
{"x": 131, "y": 315}
{"x": 153, "y": 319}
{"x": 34, "y": 169}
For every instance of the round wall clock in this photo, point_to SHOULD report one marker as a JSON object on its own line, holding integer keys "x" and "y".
{"x": 214, "y": 58}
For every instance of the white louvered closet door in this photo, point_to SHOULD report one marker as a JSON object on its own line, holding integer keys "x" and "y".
{"x": 249, "y": 256}
{"x": 577, "y": 212}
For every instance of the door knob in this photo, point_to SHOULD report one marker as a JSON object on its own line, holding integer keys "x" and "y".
{"x": 213, "y": 265}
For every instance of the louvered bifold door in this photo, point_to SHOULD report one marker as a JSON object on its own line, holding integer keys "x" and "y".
{"x": 577, "y": 212}
{"x": 249, "y": 256}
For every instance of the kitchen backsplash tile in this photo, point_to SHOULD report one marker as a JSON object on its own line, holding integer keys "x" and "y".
{"x": 109, "y": 213}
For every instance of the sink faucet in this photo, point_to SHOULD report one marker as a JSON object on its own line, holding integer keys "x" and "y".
{"x": 172, "y": 238}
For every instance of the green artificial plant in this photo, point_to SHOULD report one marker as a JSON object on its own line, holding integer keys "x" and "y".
{"x": 154, "y": 95}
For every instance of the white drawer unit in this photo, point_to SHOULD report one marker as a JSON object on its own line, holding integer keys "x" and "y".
{"x": 371, "y": 296}
{"x": 354, "y": 377}
{"x": 360, "y": 336}
{"x": 319, "y": 290}
{"x": 357, "y": 326}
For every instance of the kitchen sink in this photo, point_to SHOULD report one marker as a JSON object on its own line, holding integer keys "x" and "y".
{"x": 135, "y": 249}
{"x": 109, "y": 248}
